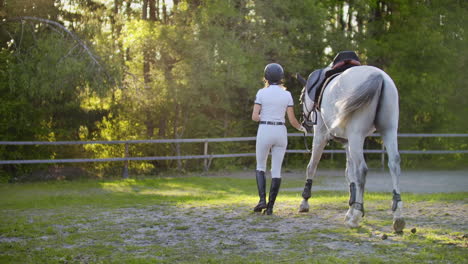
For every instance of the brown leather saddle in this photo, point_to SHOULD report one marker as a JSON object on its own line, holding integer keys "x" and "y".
{"x": 318, "y": 79}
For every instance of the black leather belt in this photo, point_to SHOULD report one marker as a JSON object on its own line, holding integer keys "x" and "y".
{"x": 271, "y": 123}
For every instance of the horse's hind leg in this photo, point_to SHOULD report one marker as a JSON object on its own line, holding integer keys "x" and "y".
{"x": 356, "y": 171}
{"x": 390, "y": 141}
{"x": 319, "y": 143}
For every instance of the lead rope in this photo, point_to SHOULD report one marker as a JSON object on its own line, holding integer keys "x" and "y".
{"x": 305, "y": 143}
{"x": 303, "y": 122}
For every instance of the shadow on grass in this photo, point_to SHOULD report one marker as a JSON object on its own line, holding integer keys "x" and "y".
{"x": 147, "y": 191}
{"x": 119, "y": 193}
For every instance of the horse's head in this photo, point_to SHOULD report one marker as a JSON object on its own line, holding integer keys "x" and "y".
{"x": 307, "y": 107}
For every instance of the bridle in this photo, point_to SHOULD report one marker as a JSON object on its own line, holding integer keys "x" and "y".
{"x": 309, "y": 119}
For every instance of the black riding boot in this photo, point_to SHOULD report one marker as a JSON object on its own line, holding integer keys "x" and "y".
{"x": 260, "y": 175}
{"x": 274, "y": 189}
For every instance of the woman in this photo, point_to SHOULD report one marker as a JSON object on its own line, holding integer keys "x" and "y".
{"x": 271, "y": 105}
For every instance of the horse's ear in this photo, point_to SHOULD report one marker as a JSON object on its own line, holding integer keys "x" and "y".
{"x": 301, "y": 79}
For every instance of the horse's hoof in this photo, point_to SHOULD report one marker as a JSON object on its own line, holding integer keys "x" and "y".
{"x": 348, "y": 215}
{"x": 304, "y": 208}
{"x": 352, "y": 218}
{"x": 398, "y": 225}
{"x": 352, "y": 224}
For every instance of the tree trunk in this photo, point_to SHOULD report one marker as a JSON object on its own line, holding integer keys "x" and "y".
{"x": 225, "y": 123}
{"x": 144, "y": 12}
{"x": 376, "y": 30}
{"x": 2, "y": 9}
{"x": 177, "y": 135}
{"x": 162, "y": 126}
{"x": 146, "y": 54}
{"x": 149, "y": 127}
{"x": 341, "y": 21}
{"x": 350, "y": 18}
{"x": 128, "y": 9}
{"x": 378, "y": 11}
{"x": 146, "y": 67}
{"x": 152, "y": 10}
{"x": 164, "y": 10}
{"x": 117, "y": 29}
{"x": 158, "y": 16}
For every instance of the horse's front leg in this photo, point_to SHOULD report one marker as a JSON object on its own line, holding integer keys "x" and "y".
{"x": 319, "y": 143}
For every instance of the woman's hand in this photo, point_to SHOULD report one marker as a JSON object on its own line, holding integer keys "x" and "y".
{"x": 303, "y": 130}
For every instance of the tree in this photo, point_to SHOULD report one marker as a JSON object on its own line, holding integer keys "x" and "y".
{"x": 46, "y": 72}
{"x": 139, "y": 69}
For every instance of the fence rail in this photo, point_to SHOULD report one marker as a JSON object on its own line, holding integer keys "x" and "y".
{"x": 207, "y": 157}
{"x": 193, "y": 140}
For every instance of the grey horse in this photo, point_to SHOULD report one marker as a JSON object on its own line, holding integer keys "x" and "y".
{"x": 353, "y": 105}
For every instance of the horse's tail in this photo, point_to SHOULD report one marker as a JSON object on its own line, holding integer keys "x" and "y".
{"x": 360, "y": 98}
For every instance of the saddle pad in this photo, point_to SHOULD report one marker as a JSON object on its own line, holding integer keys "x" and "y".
{"x": 313, "y": 80}
{"x": 327, "y": 81}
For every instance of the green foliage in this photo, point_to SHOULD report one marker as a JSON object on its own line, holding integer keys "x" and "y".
{"x": 191, "y": 70}
{"x": 44, "y": 79}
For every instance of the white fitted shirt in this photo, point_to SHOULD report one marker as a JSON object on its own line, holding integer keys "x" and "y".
{"x": 274, "y": 101}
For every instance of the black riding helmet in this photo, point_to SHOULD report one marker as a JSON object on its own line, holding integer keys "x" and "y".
{"x": 274, "y": 73}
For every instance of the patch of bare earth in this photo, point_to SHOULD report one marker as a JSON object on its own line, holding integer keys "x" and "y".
{"x": 234, "y": 229}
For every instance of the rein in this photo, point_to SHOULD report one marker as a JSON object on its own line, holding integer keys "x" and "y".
{"x": 306, "y": 119}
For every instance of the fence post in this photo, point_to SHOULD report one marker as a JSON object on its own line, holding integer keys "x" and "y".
{"x": 205, "y": 152}
{"x": 125, "y": 169}
{"x": 382, "y": 158}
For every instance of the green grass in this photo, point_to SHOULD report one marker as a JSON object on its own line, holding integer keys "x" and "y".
{"x": 199, "y": 219}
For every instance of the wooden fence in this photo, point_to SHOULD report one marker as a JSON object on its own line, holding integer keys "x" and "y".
{"x": 206, "y": 156}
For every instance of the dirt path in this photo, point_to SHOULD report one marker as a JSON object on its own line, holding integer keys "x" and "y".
{"x": 236, "y": 230}
{"x": 190, "y": 232}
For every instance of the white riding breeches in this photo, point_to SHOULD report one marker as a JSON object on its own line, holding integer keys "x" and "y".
{"x": 274, "y": 138}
